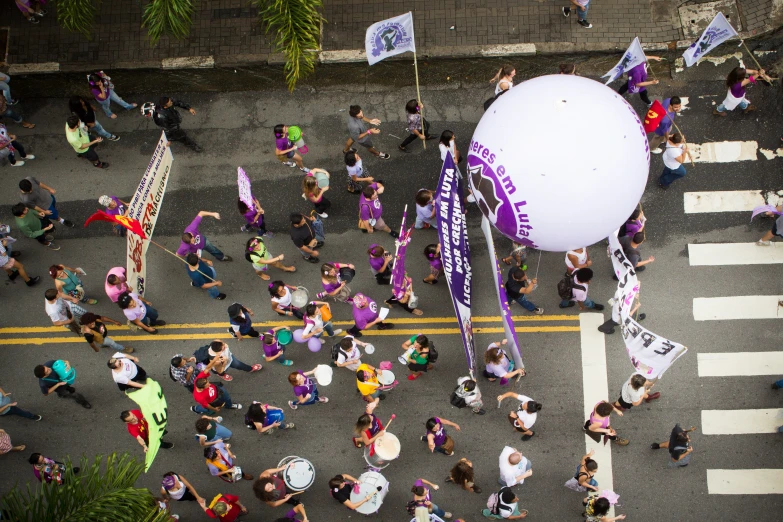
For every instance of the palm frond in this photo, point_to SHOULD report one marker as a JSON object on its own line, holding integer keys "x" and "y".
{"x": 296, "y": 25}
{"x": 77, "y": 16}
{"x": 172, "y": 17}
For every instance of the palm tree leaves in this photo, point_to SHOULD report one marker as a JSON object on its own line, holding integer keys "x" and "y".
{"x": 172, "y": 17}
{"x": 99, "y": 493}
{"x": 296, "y": 25}
{"x": 77, "y": 15}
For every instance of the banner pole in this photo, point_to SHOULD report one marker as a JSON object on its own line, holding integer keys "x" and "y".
{"x": 175, "y": 255}
{"x": 397, "y": 243}
{"x": 675, "y": 123}
{"x": 418, "y": 99}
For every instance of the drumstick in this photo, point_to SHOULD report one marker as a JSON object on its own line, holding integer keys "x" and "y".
{"x": 390, "y": 421}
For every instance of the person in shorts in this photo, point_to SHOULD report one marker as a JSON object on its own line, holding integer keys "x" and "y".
{"x": 635, "y": 390}
{"x": 359, "y": 132}
{"x": 286, "y": 151}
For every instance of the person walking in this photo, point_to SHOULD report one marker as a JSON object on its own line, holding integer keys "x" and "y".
{"x": 518, "y": 286}
{"x": 220, "y": 351}
{"x": 305, "y": 235}
{"x": 357, "y": 174}
{"x": 359, "y": 132}
{"x": 314, "y": 323}
{"x": 241, "y": 322}
{"x": 180, "y": 371}
{"x": 125, "y": 371}
{"x": 432, "y": 253}
{"x": 6, "y": 111}
{"x": 9, "y": 147}
{"x": 368, "y": 384}
{"x": 379, "y": 260}
{"x": 305, "y": 389}
{"x": 340, "y": 488}
{"x": 281, "y": 299}
{"x": 674, "y": 158}
{"x": 630, "y": 244}
{"x": 462, "y": 475}
{"x": 597, "y": 509}
{"x": 273, "y": 349}
{"x": 139, "y": 429}
{"x": 371, "y": 210}
{"x": 265, "y": 418}
{"x": 525, "y": 416}
{"x": 272, "y": 490}
{"x": 582, "y": 6}
{"x": 316, "y": 195}
{"x": 286, "y": 151}
{"x": 13, "y": 267}
{"x": 57, "y": 376}
{"x": 221, "y": 462}
{"x": 115, "y": 207}
{"x": 663, "y": 132}
{"x": 116, "y": 283}
{"x": 425, "y": 210}
{"x": 418, "y": 358}
{"x": 166, "y": 116}
{"x": 366, "y": 315}
{"x": 597, "y": 425}
{"x": 209, "y": 431}
{"x": 514, "y": 467}
{"x": 34, "y": 225}
{"x": 504, "y": 78}
{"x": 79, "y": 137}
{"x": 635, "y": 390}
{"x": 579, "y": 282}
{"x": 422, "y": 496}
{"x": 637, "y": 81}
{"x": 737, "y": 81}
{"x": 175, "y": 486}
{"x": 97, "y": 335}
{"x": 227, "y": 508}
{"x": 468, "y": 394}
{"x": 68, "y": 284}
{"x": 635, "y": 223}
{"x": 140, "y": 312}
{"x": 40, "y": 198}
{"x": 82, "y": 108}
{"x": 9, "y": 407}
{"x": 777, "y": 229}
{"x": 193, "y": 242}
{"x": 368, "y": 428}
{"x": 418, "y": 127}
{"x": 506, "y": 507}
{"x": 5, "y": 79}
{"x": 102, "y": 88}
{"x": 679, "y": 446}
{"x": 61, "y": 312}
{"x": 202, "y": 275}
{"x": 584, "y": 478}
{"x": 335, "y": 278}
{"x": 448, "y": 143}
{"x": 6, "y": 445}
{"x": 576, "y": 259}
{"x": 49, "y": 470}
{"x": 348, "y": 354}
{"x": 436, "y": 437}
{"x": 210, "y": 398}
{"x": 254, "y": 218}
{"x": 261, "y": 258}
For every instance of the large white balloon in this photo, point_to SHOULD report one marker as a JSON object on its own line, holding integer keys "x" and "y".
{"x": 559, "y": 162}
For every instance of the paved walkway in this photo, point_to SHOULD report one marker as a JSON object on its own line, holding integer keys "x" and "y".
{"x": 228, "y": 29}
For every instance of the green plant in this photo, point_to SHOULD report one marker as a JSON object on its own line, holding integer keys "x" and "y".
{"x": 173, "y": 17}
{"x": 296, "y": 25}
{"x": 77, "y": 16}
{"x": 94, "y": 495}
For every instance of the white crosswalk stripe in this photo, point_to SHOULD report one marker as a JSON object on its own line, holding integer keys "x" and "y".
{"x": 742, "y": 364}
{"x": 737, "y": 307}
{"x": 743, "y": 422}
{"x": 729, "y": 200}
{"x": 724, "y": 151}
{"x": 745, "y": 481}
{"x": 721, "y": 254}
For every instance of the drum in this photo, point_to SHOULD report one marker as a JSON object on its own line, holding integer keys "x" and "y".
{"x": 323, "y": 374}
{"x": 300, "y": 297}
{"x": 384, "y": 450}
{"x": 322, "y": 179}
{"x": 284, "y": 337}
{"x": 299, "y": 473}
{"x": 273, "y": 416}
{"x": 368, "y": 483}
{"x": 385, "y": 377}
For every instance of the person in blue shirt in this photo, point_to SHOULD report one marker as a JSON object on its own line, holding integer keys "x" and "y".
{"x": 662, "y": 134}
{"x": 197, "y": 268}
{"x": 241, "y": 323}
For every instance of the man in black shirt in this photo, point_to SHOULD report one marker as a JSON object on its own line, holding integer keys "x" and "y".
{"x": 97, "y": 335}
{"x": 517, "y": 289}
{"x": 168, "y": 117}
{"x": 679, "y": 445}
{"x": 304, "y": 237}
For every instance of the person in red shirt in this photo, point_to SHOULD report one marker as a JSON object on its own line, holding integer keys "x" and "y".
{"x": 226, "y": 507}
{"x": 140, "y": 430}
{"x": 209, "y": 397}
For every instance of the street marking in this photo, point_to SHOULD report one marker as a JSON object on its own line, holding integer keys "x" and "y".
{"x": 679, "y": 63}
{"x": 740, "y": 364}
{"x": 272, "y": 324}
{"x": 737, "y": 307}
{"x": 728, "y": 201}
{"x": 745, "y": 481}
{"x": 724, "y": 151}
{"x": 772, "y": 154}
{"x": 225, "y": 335}
{"x": 743, "y": 422}
{"x": 718, "y": 254}
{"x": 595, "y": 388}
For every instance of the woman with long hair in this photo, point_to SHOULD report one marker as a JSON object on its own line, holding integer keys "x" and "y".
{"x": 736, "y": 82}
{"x": 462, "y": 475}
{"x": 315, "y": 195}
{"x": 86, "y": 113}
{"x": 504, "y": 78}
{"x": 254, "y": 218}
{"x": 380, "y": 264}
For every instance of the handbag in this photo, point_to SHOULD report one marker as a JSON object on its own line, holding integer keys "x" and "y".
{"x": 574, "y": 484}
{"x": 413, "y": 301}
{"x": 366, "y": 224}
{"x": 448, "y": 445}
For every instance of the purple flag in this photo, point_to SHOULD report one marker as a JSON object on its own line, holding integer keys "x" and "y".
{"x": 245, "y": 194}
{"x": 398, "y": 268}
{"x": 455, "y": 253}
{"x": 764, "y": 208}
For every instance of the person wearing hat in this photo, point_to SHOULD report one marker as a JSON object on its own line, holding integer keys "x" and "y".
{"x": 139, "y": 311}
{"x": 365, "y": 315}
{"x": 525, "y": 416}
{"x": 240, "y": 322}
{"x": 139, "y": 429}
{"x": 225, "y": 507}
{"x": 176, "y": 487}
{"x": 115, "y": 207}
{"x": 97, "y": 335}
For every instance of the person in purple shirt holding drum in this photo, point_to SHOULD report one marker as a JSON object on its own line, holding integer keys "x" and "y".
{"x": 371, "y": 210}
{"x": 305, "y": 389}
{"x": 365, "y": 315}
{"x": 662, "y": 134}
{"x": 285, "y": 150}
{"x": 193, "y": 242}
{"x": 637, "y": 81}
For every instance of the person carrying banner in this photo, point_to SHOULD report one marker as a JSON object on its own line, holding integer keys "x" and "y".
{"x": 193, "y": 241}
{"x": 637, "y": 81}
{"x": 139, "y": 429}
{"x": 674, "y": 158}
{"x": 379, "y": 260}
{"x": 630, "y": 246}
{"x": 662, "y": 133}
{"x": 736, "y": 81}
{"x": 359, "y": 132}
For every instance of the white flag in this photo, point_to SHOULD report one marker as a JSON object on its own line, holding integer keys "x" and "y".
{"x": 632, "y": 57}
{"x": 389, "y": 38}
{"x": 715, "y": 34}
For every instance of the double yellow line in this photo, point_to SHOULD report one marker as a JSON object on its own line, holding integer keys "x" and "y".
{"x": 60, "y": 335}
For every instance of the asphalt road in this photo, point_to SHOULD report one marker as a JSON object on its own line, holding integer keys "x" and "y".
{"x": 235, "y": 129}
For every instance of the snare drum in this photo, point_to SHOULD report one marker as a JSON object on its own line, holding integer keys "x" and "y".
{"x": 385, "y": 377}
{"x": 369, "y": 482}
{"x": 384, "y": 450}
{"x": 300, "y": 297}
{"x": 299, "y": 473}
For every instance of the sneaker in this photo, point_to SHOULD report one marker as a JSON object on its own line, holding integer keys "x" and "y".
{"x": 292, "y": 405}
{"x": 113, "y": 137}
{"x": 641, "y": 317}
{"x": 32, "y": 281}
{"x": 323, "y": 400}
{"x": 221, "y": 296}
{"x": 227, "y": 258}
{"x": 166, "y": 445}
{"x": 49, "y": 237}
{"x": 598, "y": 307}
{"x": 481, "y": 411}
{"x": 403, "y": 149}
{"x": 566, "y": 11}
{"x": 304, "y": 169}
{"x": 287, "y": 362}
{"x": 761, "y": 242}
{"x": 127, "y": 350}
{"x": 621, "y": 442}
{"x": 664, "y": 187}
{"x": 384, "y": 326}
{"x": 33, "y": 20}
{"x": 91, "y": 301}
{"x": 528, "y": 437}
{"x": 159, "y": 323}
{"x": 538, "y": 311}
{"x": 383, "y": 155}
{"x": 585, "y": 24}
{"x": 52, "y": 246}
{"x": 236, "y": 406}
{"x": 193, "y": 409}
{"x": 19, "y": 163}
{"x": 101, "y": 165}
{"x": 357, "y": 335}
{"x": 268, "y": 234}
{"x": 231, "y": 331}
{"x": 338, "y": 332}
{"x": 716, "y": 112}
{"x": 323, "y": 216}
{"x": 13, "y": 275}
{"x": 68, "y": 223}
{"x": 289, "y": 426}
{"x": 319, "y": 244}
{"x": 655, "y": 446}
{"x": 657, "y": 151}
{"x": 381, "y": 396}
{"x": 289, "y": 164}
{"x": 569, "y": 305}
{"x": 322, "y": 341}
{"x": 37, "y": 418}
{"x": 312, "y": 259}
{"x": 476, "y": 489}
{"x": 394, "y": 234}
{"x": 42, "y": 12}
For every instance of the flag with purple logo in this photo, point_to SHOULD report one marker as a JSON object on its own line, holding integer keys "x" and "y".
{"x": 631, "y": 58}
{"x": 399, "y": 276}
{"x": 455, "y": 253}
{"x": 715, "y": 34}
{"x": 764, "y": 209}
{"x": 505, "y": 311}
{"x": 245, "y": 193}
{"x": 389, "y": 37}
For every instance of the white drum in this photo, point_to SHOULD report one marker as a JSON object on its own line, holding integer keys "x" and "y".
{"x": 299, "y": 473}
{"x": 322, "y": 179}
{"x": 368, "y": 483}
{"x": 384, "y": 450}
{"x": 385, "y": 377}
{"x": 300, "y": 297}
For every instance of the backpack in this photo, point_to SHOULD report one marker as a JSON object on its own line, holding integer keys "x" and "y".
{"x": 249, "y": 255}
{"x": 492, "y": 100}
{"x": 565, "y": 287}
{"x": 336, "y": 350}
{"x": 456, "y": 400}
{"x": 493, "y": 503}
{"x": 202, "y": 354}
{"x": 433, "y": 355}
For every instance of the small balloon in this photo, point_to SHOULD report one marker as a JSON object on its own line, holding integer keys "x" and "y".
{"x": 314, "y": 344}
{"x": 298, "y": 336}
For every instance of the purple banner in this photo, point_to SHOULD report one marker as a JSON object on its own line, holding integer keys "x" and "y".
{"x": 455, "y": 253}
{"x": 398, "y": 268}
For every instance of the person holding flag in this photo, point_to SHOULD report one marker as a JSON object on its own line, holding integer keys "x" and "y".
{"x": 637, "y": 80}
{"x": 736, "y": 81}
{"x": 140, "y": 430}
{"x": 670, "y": 106}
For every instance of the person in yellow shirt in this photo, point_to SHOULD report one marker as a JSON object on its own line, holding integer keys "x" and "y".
{"x": 79, "y": 138}
{"x": 368, "y": 384}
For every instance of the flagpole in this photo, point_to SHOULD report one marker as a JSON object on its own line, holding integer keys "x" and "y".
{"x": 418, "y": 99}
{"x": 175, "y": 255}
{"x": 402, "y": 229}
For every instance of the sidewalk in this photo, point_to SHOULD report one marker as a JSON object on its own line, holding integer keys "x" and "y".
{"x": 226, "y": 32}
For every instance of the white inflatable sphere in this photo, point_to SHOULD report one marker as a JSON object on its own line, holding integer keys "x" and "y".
{"x": 559, "y": 162}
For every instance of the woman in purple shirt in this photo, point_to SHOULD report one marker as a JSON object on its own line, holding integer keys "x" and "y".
{"x": 305, "y": 389}
{"x": 254, "y": 218}
{"x": 436, "y": 437}
{"x": 365, "y": 315}
{"x": 422, "y": 497}
{"x": 432, "y": 253}
{"x": 637, "y": 81}
{"x": 115, "y": 207}
{"x": 103, "y": 90}
{"x": 371, "y": 210}
{"x": 379, "y": 264}
{"x": 334, "y": 285}
{"x": 285, "y": 150}
{"x": 736, "y": 81}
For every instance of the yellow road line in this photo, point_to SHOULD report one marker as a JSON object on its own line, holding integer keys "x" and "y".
{"x": 271, "y": 324}
{"x": 225, "y": 335}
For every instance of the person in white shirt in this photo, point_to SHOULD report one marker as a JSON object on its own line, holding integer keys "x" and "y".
{"x": 348, "y": 355}
{"x": 220, "y": 350}
{"x": 674, "y": 156}
{"x": 468, "y": 389}
{"x": 580, "y": 283}
{"x": 126, "y": 373}
{"x": 576, "y": 259}
{"x": 635, "y": 390}
{"x": 514, "y": 467}
{"x": 525, "y": 416}
{"x": 63, "y": 313}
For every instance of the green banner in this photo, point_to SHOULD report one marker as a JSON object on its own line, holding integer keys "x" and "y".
{"x": 155, "y": 410}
